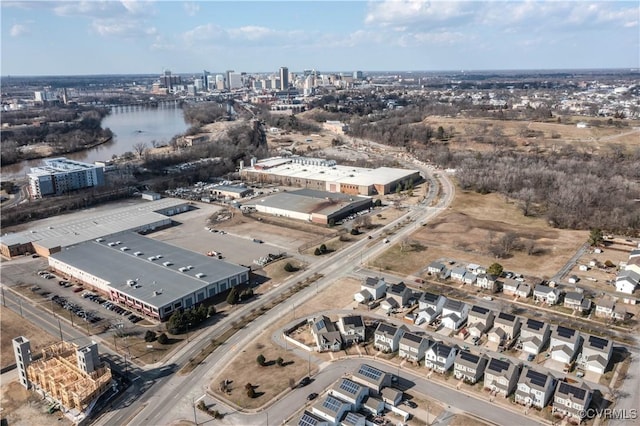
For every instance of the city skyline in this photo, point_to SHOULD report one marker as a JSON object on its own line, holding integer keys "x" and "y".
{"x": 110, "y": 37}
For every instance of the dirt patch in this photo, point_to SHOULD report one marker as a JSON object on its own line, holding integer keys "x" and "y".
{"x": 276, "y": 272}
{"x": 462, "y": 420}
{"x": 21, "y": 407}
{"x": 13, "y": 325}
{"x": 271, "y": 380}
{"x": 466, "y": 230}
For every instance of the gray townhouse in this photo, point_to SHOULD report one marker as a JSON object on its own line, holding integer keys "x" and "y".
{"x": 596, "y": 354}
{"x": 331, "y": 409}
{"x": 349, "y": 391}
{"x": 535, "y": 389}
{"x": 436, "y": 268}
{"x": 469, "y": 367}
{"x": 440, "y": 357}
{"x": 546, "y": 294}
{"x": 505, "y": 328}
{"x": 571, "y": 400}
{"x": 430, "y": 307}
{"x": 509, "y": 286}
{"x": 387, "y": 337}
{"x": 371, "y": 377}
{"x": 501, "y": 376}
{"x": 576, "y": 301}
{"x": 454, "y": 314}
{"x": 371, "y": 289}
{"x": 413, "y": 347}
{"x": 352, "y": 329}
{"x": 479, "y": 321}
{"x": 534, "y": 335}
{"x": 487, "y": 282}
{"x": 523, "y": 291}
{"x": 400, "y": 293}
{"x": 326, "y": 335}
{"x": 565, "y": 344}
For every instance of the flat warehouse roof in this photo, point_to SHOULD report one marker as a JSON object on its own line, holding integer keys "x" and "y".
{"x": 309, "y": 201}
{"x": 85, "y": 227}
{"x": 161, "y": 275}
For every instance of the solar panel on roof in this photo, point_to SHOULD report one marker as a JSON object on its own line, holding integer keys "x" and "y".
{"x": 498, "y": 365}
{"x": 349, "y": 386}
{"x": 534, "y": 325}
{"x": 568, "y": 389}
{"x": 565, "y": 332}
{"x": 385, "y": 328}
{"x": 332, "y": 404}
{"x": 468, "y": 356}
{"x": 479, "y": 309}
{"x": 412, "y": 337}
{"x": 370, "y": 372}
{"x": 537, "y": 378}
{"x": 507, "y": 317}
{"x": 307, "y": 420}
{"x": 597, "y": 342}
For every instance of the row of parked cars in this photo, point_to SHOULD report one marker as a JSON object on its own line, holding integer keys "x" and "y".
{"x": 79, "y": 311}
{"x": 121, "y": 311}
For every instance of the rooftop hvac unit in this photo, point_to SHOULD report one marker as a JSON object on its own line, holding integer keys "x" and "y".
{"x": 182, "y": 269}
{"x": 99, "y": 240}
{"x": 199, "y": 275}
{"x": 130, "y": 283}
{"x": 137, "y": 253}
{"x": 118, "y": 242}
{"x": 111, "y": 244}
{"x": 189, "y": 267}
{"x": 151, "y": 258}
{"x": 158, "y": 256}
{"x": 167, "y": 263}
{"x": 155, "y": 293}
{"x": 124, "y": 248}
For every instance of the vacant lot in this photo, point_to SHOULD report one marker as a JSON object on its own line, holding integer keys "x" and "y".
{"x": 465, "y": 231}
{"x": 271, "y": 380}
{"x": 21, "y": 407}
{"x": 13, "y": 325}
{"x": 546, "y": 136}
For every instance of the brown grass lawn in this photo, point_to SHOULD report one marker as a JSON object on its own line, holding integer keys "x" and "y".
{"x": 462, "y": 420}
{"x": 275, "y": 271}
{"x": 463, "y": 232}
{"x": 13, "y": 325}
{"x": 271, "y": 380}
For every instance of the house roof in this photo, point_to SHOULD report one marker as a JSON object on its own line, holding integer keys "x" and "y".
{"x": 370, "y": 374}
{"x": 352, "y": 321}
{"x": 454, "y": 305}
{"x": 606, "y": 303}
{"x": 436, "y": 265}
{"x": 348, "y": 387}
{"x": 397, "y": 289}
{"x": 480, "y": 312}
{"x": 544, "y": 290}
{"x": 331, "y": 405}
{"x": 535, "y": 379}
{"x": 352, "y": 419}
{"x": 565, "y": 333}
{"x": 458, "y": 271}
{"x": 373, "y": 282}
{"x": 387, "y": 329}
{"x": 309, "y": 419}
{"x": 598, "y": 344}
{"x": 575, "y": 393}
{"x": 573, "y": 297}
{"x": 500, "y": 367}
{"x": 391, "y": 394}
{"x": 323, "y": 324}
{"x": 442, "y": 350}
{"x": 468, "y": 359}
{"x": 534, "y": 326}
{"x": 430, "y": 298}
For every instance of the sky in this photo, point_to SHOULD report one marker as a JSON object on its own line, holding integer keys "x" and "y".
{"x": 148, "y": 37}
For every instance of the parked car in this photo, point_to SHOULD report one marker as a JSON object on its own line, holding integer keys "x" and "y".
{"x": 305, "y": 381}
{"x": 312, "y": 396}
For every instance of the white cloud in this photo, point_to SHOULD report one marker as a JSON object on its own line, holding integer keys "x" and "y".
{"x": 18, "y": 30}
{"x": 418, "y": 12}
{"x": 122, "y": 28}
{"x": 191, "y": 8}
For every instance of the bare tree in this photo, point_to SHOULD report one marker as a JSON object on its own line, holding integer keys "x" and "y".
{"x": 140, "y": 148}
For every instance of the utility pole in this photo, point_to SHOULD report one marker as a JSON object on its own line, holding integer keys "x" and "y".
{"x": 4, "y": 302}
{"x": 60, "y": 328}
{"x": 193, "y": 402}
{"x": 20, "y": 301}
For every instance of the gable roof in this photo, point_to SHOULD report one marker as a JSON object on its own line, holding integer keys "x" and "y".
{"x": 429, "y": 298}
{"x": 535, "y": 379}
{"x": 574, "y": 393}
{"x": 454, "y": 305}
{"x": 352, "y": 321}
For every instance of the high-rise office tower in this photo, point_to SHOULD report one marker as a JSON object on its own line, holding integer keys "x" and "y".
{"x": 284, "y": 78}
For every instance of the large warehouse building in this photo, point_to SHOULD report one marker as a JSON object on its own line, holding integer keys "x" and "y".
{"x": 149, "y": 276}
{"x": 326, "y": 175}
{"x": 312, "y": 206}
{"x": 141, "y": 217}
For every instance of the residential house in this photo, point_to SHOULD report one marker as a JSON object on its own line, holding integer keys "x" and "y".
{"x": 604, "y": 307}
{"x": 627, "y": 281}
{"x": 575, "y": 300}
{"x": 565, "y": 344}
{"x": 436, "y": 268}
{"x": 501, "y": 376}
{"x": 546, "y": 294}
{"x": 412, "y": 347}
{"x": 373, "y": 405}
{"x": 387, "y": 337}
{"x": 470, "y": 278}
{"x": 534, "y": 335}
{"x": 353, "y": 419}
{"x": 430, "y": 307}
{"x": 392, "y": 396}
{"x": 619, "y": 312}
{"x": 469, "y": 367}
{"x": 573, "y": 279}
{"x": 372, "y": 377}
{"x": 571, "y": 400}
{"x": 596, "y": 354}
{"x": 389, "y": 304}
{"x": 326, "y": 335}
{"x": 479, "y": 321}
{"x": 375, "y": 288}
{"x": 309, "y": 419}
{"x": 440, "y": 357}
{"x": 331, "y": 409}
{"x": 454, "y": 314}
{"x": 523, "y": 291}
{"x": 458, "y": 273}
{"x": 505, "y": 328}
{"x": 352, "y": 329}
{"x": 400, "y": 293}
{"x": 633, "y": 264}
{"x": 487, "y": 282}
{"x": 476, "y": 269}
{"x": 349, "y": 391}
{"x": 509, "y": 286}
{"x": 535, "y": 389}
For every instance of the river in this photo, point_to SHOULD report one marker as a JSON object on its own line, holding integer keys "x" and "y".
{"x": 129, "y": 126}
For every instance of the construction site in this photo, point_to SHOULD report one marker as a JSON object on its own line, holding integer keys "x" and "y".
{"x": 71, "y": 377}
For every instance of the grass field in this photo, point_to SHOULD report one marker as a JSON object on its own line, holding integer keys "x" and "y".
{"x": 464, "y": 231}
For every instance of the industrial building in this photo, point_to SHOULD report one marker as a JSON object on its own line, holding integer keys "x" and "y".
{"x": 67, "y": 374}
{"x": 151, "y": 277}
{"x": 142, "y": 217}
{"x": 312, "y": 206}
{"x": 326, "y": 175}
{"x": 60, "y": 175}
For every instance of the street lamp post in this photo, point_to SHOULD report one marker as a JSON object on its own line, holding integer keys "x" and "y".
{"x": 195, "y": 419}
{"x": 188, "y": 327}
